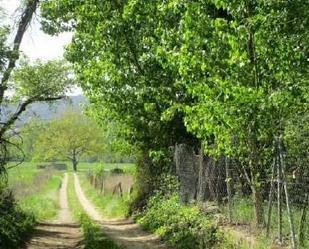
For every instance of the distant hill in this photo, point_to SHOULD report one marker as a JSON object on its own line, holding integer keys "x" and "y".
{"x": 48, "y": 111}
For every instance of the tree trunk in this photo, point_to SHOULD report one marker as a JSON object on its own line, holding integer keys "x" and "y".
{"x": 23, "y": 24}
{"x": 258, "y": 205}
{"x": 257, "y": 194}
{"x": 256, "y": 184}
{"x": 74, "y": 159}
{"x": 74, "y": 163}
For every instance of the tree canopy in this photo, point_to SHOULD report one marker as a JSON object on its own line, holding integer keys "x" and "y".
{"x": 227, "y": 74}
{"x": 71, "y": 137}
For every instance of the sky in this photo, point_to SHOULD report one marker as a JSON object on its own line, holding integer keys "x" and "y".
{"x": 36, "y": 44}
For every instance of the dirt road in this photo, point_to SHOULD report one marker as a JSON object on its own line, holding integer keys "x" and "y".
{"x": 61, "y": 233}
{"x": 123, "y": 232}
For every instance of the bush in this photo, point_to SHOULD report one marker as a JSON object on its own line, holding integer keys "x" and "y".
{"x": 15, "y": 224}
{"x": 184, "y": 227}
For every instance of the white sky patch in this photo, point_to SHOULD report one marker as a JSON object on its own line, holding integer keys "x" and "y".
{"x": 36, "y": 44}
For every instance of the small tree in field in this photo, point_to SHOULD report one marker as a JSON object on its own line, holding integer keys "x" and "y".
{"x": 69, "y": 137}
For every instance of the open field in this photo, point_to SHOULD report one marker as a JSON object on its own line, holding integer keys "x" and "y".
{"x": 36, "y": 189}
{"x": 84, "y": 166}
{"x": 22, "y": 174}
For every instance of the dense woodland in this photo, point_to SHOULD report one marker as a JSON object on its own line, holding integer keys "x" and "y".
{"x": 210, "y": 96}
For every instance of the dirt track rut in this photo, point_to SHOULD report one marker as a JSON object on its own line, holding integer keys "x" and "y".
{"x": 124, "y": 232}
{"x": 61, "y": 233}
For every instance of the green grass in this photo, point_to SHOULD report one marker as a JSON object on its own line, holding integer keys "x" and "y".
{"x": 94, "y": 237}
{"x": 127, "y": 167}
{"x": 108, "y": 205}
{"x": 35, "y": 189}
{"x": 74, "y": 205}
{"x": 243, "y": 213}
{"x": 24, "y": 173}
{"x": 43, "y": 203}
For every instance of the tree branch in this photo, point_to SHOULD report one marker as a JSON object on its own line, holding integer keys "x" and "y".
{"x": 22, "y": 107}
{"x": 22, "y": 27}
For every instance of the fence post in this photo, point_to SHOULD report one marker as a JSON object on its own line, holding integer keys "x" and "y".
{"x": 228, "y": 181}
{"x": 293, "y": 240}
{"x": 279, "y": 192}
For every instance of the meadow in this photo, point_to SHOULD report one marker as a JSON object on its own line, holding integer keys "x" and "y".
{"x": 37, "y": 189}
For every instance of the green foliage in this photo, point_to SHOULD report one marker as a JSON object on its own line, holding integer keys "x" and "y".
{"x": 41, "y": 80}
{"x": 99, "y": 170}
{"x": 70, "y": 137}
{"x": 120, "y": 73}
{"x": 15, "y": 224}
{"x": 184, "y": 227}
{"x": 30, "y": 133}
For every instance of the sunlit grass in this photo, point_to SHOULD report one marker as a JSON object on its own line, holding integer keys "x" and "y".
{"x": 108, "y": 205}
{"x": 43, "y": 203}
{"x": 84, "y": 166}
{"x": 23, "y": 173}
{"x": 243, "y": 214}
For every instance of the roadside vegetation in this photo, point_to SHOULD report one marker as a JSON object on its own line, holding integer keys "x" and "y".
{"x": 109, "y": 205}
{"x": 209, "y": 99}
{"x": 43, "y": 201}
{"x": 36, "y": 199}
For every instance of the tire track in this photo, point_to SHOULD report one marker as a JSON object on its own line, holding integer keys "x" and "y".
{"x": 124, "y": 232}
{"x": 61, "y": 233}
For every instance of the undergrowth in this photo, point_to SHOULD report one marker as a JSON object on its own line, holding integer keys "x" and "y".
{"x": 182, "y": 226}
{"x": 15, "y": 224}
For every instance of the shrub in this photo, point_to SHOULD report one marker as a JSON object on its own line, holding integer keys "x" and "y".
{"x": 183, "y": 226}
{"x": 15, "y": 224}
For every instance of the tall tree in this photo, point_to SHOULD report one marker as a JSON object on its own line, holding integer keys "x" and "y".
{"x": 69, "y": 137}
{"x": 120, "y": 72}
{"x": 232, "y": 73}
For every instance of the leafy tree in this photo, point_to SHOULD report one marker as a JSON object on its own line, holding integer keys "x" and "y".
{"x": 28, "y": 83}
{"x": 69, "y": 137}
{"x": 233, "y": 73}
{"x": 121, "y": 74}
{"x": 246, "y": 90}
{"x": 30, "y": 133}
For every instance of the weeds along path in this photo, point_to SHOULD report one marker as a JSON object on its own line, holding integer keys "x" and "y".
{"x": 124, "y": 232}
{"x": 61, "y": 233}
